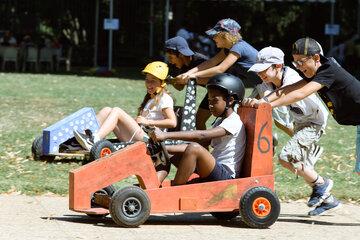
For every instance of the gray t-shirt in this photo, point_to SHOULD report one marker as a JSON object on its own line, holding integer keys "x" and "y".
{"x": 229, "y": 150}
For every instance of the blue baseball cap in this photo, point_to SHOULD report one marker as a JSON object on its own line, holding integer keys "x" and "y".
{"x": 179, "y": 44}
{"x": 224, "y": 25}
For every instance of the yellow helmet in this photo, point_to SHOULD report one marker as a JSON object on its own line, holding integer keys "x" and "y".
{"x": 157, "y": 69}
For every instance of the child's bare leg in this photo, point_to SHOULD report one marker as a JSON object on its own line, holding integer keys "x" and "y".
{"x": 308, "y": 174}
{"x": 126, "y": 126}
{"x": 194, "y": 157}
{"x": 161, "y": 175}
{"x": 103, "y": 114}
{"x": 173, "y": 149}
{"x": 162, "y": 172}
{"x": 177, "y": 152}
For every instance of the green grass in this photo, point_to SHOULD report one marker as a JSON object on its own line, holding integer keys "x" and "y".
{"x": 31, "y": 102}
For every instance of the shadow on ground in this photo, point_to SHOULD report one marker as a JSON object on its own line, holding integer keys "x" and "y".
{"x": 194, "y": 219}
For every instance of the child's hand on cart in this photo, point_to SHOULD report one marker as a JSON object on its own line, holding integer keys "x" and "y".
{"x": 157, "y": 135}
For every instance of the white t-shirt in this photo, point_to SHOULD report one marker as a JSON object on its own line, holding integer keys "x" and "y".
{"x": 229, "y": 150}
{"x": 308, "y": 110}
{"x": 153, "y": 110}
{"x": 280, "y": 114}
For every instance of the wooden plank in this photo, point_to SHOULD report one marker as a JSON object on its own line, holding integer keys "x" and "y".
{"x": 110, "y": 169}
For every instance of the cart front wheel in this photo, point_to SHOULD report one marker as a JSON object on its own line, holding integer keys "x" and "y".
{"x": 106, "y": 191}
{"x": 130, "y": 207}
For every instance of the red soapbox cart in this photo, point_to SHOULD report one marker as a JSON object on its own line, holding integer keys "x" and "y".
{"x": 252, "y": 195}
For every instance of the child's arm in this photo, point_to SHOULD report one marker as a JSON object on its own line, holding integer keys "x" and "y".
{"x": 194, "y": 136}
{"x": 183, "y": 78}
{"x": 221, "y": 68}
{"x": 286, "y": 95}
{"x": 293, "y": 93}
{"x": 169, "y": 120}
{"x": 220, "y": 56}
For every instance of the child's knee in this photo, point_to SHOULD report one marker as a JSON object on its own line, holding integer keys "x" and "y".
{"x": 118, "y": 110}
{"x": 106, "y": 109}
{"x": 193, "y": 148}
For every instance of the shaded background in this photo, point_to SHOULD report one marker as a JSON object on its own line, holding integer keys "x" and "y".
{"x": 264, "y": 23}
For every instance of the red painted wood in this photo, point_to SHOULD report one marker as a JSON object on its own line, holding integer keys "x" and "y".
{"x": 110, "y": 169}
{"x": 205, "y": 197}
{"x": 259, "y": 147}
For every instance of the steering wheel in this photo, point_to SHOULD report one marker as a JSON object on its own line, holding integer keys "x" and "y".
{"x": 156, "y": 147}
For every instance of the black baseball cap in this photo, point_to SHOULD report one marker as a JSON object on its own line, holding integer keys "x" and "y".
{"x": 306, "y": 46}
{"x": 179, "y": 44}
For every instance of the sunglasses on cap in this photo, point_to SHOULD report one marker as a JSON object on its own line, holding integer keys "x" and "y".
{"x": 301, "y": 62}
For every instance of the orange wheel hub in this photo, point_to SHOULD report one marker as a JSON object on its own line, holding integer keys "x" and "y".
{"x": 261, "y": 207}
{"x": 105, "y": 151}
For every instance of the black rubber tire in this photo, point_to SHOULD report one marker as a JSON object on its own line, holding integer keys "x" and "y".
{"x": 258, "y": 195}
{"x": 109, "y": 190}
{"x": 36, "y": 150}
{"x": 225, "y": 216}
{"x": 97, "y": 151}
{"x": 130, "y": 207}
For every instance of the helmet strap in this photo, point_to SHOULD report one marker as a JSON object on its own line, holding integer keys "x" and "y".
{"x": 158, "y": 90}
{"x": 227, "y": 106}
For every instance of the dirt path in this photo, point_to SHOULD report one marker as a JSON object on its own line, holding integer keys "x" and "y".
{"x": 48, "y": 217}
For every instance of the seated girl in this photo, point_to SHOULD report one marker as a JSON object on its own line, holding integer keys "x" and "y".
{"x": 155, "y": 110}
{"x": 227, "y": 137}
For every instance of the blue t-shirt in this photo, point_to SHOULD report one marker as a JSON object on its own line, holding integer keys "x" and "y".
{"x": 247, "y": 58}
{"x": 247, "y": 53}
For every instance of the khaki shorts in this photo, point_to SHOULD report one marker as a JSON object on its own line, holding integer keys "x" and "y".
{"x": 298, "y": 149}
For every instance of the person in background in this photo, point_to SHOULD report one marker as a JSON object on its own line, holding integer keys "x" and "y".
{"x": 182, "y": 59}
{"x": 8, "y": 39}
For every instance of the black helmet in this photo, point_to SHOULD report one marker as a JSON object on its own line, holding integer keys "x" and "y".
{"x": 230, "y": 83}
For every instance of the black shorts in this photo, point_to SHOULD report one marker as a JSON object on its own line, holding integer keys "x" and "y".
{"x": 218, "y": 173}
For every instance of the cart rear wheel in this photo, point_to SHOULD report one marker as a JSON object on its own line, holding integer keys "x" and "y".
{"x": 259, "y": 207}
{"x": 36, "y": 150}
{"x": 130, "y": 207}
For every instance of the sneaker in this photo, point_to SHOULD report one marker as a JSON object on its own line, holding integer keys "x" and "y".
{"x": 84, "y": 140}
{"x": 320, "y": 192}
{"x": 330, "y": 203}
{"x": 315, "y": 154}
